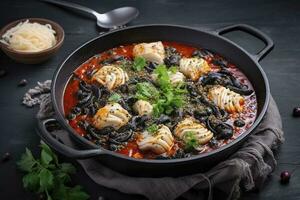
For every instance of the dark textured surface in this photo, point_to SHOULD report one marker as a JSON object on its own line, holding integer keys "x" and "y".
{"x": 279, "y": 19}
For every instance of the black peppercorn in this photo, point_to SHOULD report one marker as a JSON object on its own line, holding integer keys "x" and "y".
{"x": 22, "y": 83}
{"x": 239, "y": 123}
{"x": 296, "y": 112}
{"x": 6, "y": 157}
{"x": 285, "y": 177}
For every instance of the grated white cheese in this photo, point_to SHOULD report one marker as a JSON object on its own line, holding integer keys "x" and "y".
{"x": 29, "y": 37}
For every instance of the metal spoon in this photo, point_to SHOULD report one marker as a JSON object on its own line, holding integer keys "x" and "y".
{"x": 112, "y": 19}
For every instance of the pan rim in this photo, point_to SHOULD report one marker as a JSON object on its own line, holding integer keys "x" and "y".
{"x": 60, "y": 117}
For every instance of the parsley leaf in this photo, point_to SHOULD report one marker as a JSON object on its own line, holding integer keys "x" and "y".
{"x": 46, "y": 158}
{"x": 27, "y": 161}
{"x": 115, "y": 97}
{"x": 172, "y": 96}
{"x": 146, "y": 91}
{"x": 191, "y": 141}
{"x": 152, "y": 128}
{"x": 46, "y": 179}
{"x": 167, "y": 97}
{"x": 31, "y": 181}
{"x": 139, "y": 63}
{"x": 68, "y": 168}
{"x": 46, "y": 149}
{"x": 68, "y": 193}
{"x": 76, "y": 193}
{"x": 173, "y": 69}
{"x": 163, "y": 78}
{"x": 60, "y": 192}
{"x": 46, "y": 175}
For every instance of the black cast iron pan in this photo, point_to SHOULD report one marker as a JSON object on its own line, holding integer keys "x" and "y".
{"x": 213, "y": 41}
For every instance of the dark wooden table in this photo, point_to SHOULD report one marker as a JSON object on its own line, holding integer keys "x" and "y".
{"x": 279, "y": 19}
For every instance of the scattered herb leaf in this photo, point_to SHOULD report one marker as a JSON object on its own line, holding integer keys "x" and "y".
{"x": 46, "y": 158}
{"x": 173, "y": 69}
{"x": 31, "y": 181}
{"x": 27, "y": 161}
{"x": 190, "y": 141}
{"x": 146, "y": 91}
{"x": 152, "y": 128}
{"x": 139, "y": 63}
{"x": 49, "y": 177}
{"x": 46, "y": 179}
{"x": 115, "y": 97}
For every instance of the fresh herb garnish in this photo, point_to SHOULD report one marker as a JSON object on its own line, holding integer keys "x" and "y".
{"x": 115, "y": 97}
{"x": 146, "y": 91}
{"x": 173, "y": 69}
{"x": 165, "y": 99}
{"x": 171, "y": 96}
{"x": 49, "y": 177}
{"x": 152, "y": 128}
{"x": 139, "y": 63}
{"x": 190, "y": 141}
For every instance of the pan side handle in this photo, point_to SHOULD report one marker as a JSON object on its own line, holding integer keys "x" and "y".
{"x": 60, "y": 147}
{"x": 269, "y": 44}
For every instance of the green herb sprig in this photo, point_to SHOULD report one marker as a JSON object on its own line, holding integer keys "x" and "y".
{"x": 172, "y": 97}
{"x": 190, "y": 141}
{"x": 166, "y": 97}
{"x": 115, "y": 97}
{"x": 139, "y": 63}
{"x": 49, "y": 177}
{"x": 152, "y": 128}
{"x": 146, "y": 91}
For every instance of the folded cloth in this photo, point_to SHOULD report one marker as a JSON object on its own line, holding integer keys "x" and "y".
{"x": 246, "y": 169}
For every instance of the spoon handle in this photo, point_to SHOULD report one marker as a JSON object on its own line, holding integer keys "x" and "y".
{"x": 72, "y": 5}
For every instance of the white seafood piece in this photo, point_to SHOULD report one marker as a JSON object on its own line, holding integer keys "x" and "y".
{"x": 143, "y": 107}
{"x": 188, "y": 125}
{"x": 153, "y": 52}
{"x": 159, "y": 142}
{"x": 112, "y": 114}
{"x": 193, "y": 67}
{"x": 111, "y": 76}
{"x": 226, "y": 99}
{"x": 175, "y": 78}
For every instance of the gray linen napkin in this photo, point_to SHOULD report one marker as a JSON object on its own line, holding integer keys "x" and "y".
{"x": 246, "y": 169}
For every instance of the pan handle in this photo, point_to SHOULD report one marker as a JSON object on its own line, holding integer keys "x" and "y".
{"x": 254, "y": 32}
{"x": 62, "y": 148}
